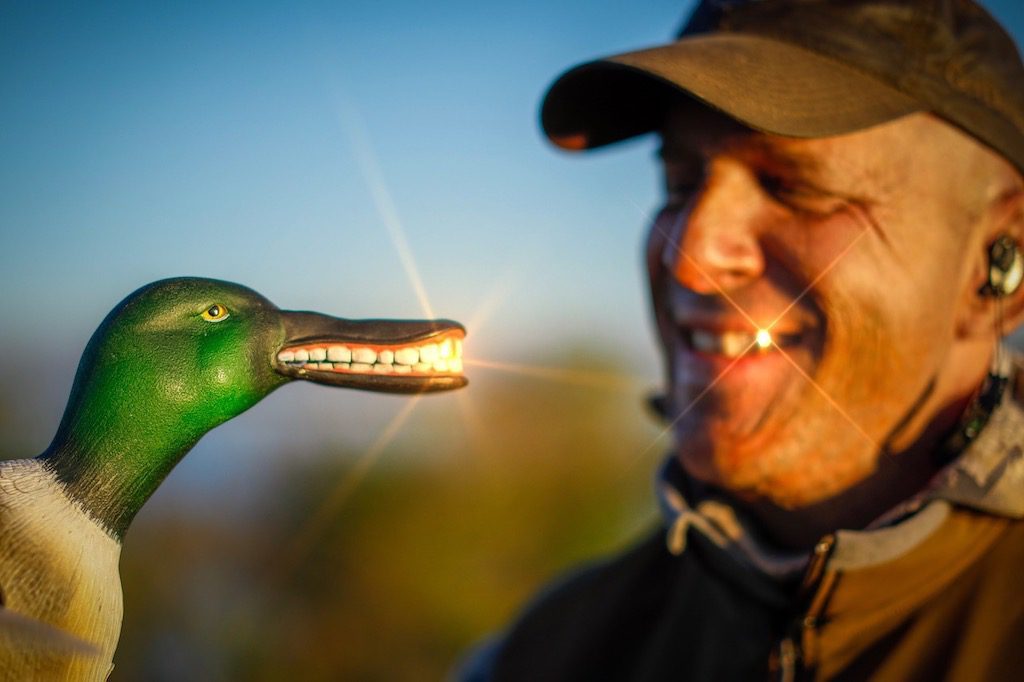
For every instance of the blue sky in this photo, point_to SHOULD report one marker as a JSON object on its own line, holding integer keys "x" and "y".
{"x": 224, "y": 140}
{"x": 279, "y": 145}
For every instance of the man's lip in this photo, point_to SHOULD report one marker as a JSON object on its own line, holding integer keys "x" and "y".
{"x": 747, "y": 313}
{"x": 720, "y": 327}
{"x": 723, "y": 324}
{"x": 732, "y": 337}
{"x": 739, "y": 341}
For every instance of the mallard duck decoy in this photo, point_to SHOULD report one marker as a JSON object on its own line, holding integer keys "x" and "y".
{"x": 170, "y": 362}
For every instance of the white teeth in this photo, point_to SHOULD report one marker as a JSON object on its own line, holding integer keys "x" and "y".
{"x": 431, "y": 358}
{"x": 339, "y": 354}
{"x": 734, "y": 345}
{"x": 428, "y": 353}
{"x": 729, "y": 344}
{"x": 364, "y": 355}
{"x": 407, "y": 356}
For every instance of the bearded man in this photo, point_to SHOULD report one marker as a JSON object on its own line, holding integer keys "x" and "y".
{"x": 835, "y": 265}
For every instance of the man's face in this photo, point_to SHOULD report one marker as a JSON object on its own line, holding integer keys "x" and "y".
{"x": 850, "y": 250}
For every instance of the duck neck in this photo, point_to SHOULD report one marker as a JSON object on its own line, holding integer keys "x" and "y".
{"x": 111, "y": 463}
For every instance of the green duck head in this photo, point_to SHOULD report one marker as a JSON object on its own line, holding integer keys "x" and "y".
{"x": 180, "y": 356}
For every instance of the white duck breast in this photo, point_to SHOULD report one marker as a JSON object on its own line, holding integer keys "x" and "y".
{"x": 58, "y": 567}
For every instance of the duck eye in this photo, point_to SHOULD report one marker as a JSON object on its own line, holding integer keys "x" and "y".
{"x": 215, "y": 313}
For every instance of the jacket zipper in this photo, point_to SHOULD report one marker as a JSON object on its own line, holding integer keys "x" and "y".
{"x": 789, "y": 654}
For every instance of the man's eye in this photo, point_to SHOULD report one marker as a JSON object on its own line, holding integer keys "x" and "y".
{"x": 799, "y": 195}
{"x": 780, "y": 187}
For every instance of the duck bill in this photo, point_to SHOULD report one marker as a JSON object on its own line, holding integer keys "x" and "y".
{"x": 393, "y": 356}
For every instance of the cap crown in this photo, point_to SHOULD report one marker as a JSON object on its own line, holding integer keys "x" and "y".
{"x": 950, "y": 55}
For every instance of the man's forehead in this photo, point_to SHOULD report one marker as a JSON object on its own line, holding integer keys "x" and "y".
{"x": 694, "y": 133}
{"x": 696, "y": 144}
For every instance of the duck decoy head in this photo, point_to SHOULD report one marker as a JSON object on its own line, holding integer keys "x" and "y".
{"x": 180, "y": 356}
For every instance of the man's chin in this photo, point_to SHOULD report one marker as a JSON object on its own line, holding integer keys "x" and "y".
{"x": 753, "y": 470}
{"x": 723, "y": 432}
{"x": 738, "y": 482}
{"x": 724, "y": 475}
{"x": 768, "y": 477}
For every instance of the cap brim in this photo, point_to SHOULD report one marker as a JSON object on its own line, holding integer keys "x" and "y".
{"x": 765, "y": 84}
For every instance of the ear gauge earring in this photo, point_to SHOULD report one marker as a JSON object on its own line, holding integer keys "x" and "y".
{"x": 1005, "y": 273}
{"x": 1005, "y": 268}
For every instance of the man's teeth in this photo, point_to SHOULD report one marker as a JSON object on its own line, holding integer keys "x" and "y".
{"x": 729, "y": 344}
{"x": 430, "y": 358}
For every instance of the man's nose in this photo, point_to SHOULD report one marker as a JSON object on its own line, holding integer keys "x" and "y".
{"x": 713, "y": 243}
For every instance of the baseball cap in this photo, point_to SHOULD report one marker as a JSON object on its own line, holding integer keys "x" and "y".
{"x": 806, "y": 68}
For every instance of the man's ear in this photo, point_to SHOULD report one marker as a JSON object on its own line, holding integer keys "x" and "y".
{"x": 997, "y": 290}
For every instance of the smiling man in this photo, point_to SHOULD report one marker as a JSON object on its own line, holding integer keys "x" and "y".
{"x": 836, "y": 262}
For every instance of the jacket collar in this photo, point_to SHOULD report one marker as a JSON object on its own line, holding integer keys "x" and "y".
{"x": 989, "y": 476}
